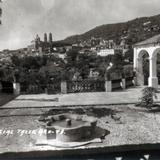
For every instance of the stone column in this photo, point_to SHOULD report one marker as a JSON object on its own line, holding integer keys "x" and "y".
{"x": 134, "y": 81}
{"x": 16, "y": 88}
{"x": 153, "y": 80}
{"x": 135, "y": 65}
{"x": 108, "y": 86}
{"x": 64, "y": 87}
{"x": 123, "y": 84}
{"x": 135, "y": 59}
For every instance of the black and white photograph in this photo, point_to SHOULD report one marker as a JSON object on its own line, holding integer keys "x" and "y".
{"x": 80, "y": 79}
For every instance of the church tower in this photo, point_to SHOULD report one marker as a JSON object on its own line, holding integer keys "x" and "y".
{"x": 50, "y": 37}
{"x": 37, "y": 41}
{"x": 45, "y": 37}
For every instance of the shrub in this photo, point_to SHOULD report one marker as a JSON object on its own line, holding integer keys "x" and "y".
{"x": 148, "y": 95}
{"x": 128, "y": 70}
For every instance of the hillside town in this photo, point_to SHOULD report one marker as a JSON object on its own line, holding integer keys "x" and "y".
{"x": 94, "y": 58}
{"x": 39, "y": 47}
{"x": 99, "y": 46}
{"x": 55, "y": 58}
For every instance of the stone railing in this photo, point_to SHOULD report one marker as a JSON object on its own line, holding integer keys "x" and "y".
{"x": 129, "y": 82}
{"x": 65, "y": 87}
{"x": 50, "y": 88}
{"x": 85, "y": 86}
{"x": 32, "y": 89}
{"x": 120, "y": 84}
{"x": 116, "y": 84}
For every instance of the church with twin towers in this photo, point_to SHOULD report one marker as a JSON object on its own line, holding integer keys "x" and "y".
{"x": 46, "y": 39}
{"x": 45, "y": 45}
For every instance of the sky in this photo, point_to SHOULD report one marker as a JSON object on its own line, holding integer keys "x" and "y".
{"x": 22, "y": 20}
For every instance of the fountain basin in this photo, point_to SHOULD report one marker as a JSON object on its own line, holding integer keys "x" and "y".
{"x": 70, "y": 127}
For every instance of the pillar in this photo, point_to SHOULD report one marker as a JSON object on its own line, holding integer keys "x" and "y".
{"x": 16, "y": 88}
{"x": 63, "y": 87}
{"x": 134, "y": 81}
{"x": 108, "y": 86}
{"x": 123, "y": 84}
{"x": 153, "y": 80}
{"x": 135, "y": 59}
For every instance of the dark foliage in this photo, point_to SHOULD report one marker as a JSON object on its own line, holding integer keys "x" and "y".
{"x": 147, "y": 99}
{"x": 96, "y": 112}
{"x": 134, "y": 30}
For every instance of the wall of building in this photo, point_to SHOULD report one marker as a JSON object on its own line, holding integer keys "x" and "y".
{"x": 105, "y": 52}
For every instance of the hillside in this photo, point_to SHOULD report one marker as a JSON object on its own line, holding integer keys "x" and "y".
{"x": 133, "y": 31}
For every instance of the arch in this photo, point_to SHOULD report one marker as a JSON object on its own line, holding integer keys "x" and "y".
{"x": 152, "y": 47}
{"x": 155, "y": 52}
{"x": 141, "y": 53}
{"x": 155, "y": 59}
{"x": 141, "y": 78}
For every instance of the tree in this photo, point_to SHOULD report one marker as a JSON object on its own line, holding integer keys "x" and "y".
{"x": 2, "y": 74}
{"x": 129, "y": 55}
{"x": 128, "y": 70}
{"x": 71, "y": 58}
{"x": 15, "y": 61}
{"x": 118, "y": 62}
{"x": 118, "y": 59}
{"x": 102, "y": 64}
{"x": 78, "y": 63}
{"x": 148, "y": 95}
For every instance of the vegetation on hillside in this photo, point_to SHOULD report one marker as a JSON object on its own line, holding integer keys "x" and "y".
{"x": 41, "y": 70}
{"x": 133, "y": 31}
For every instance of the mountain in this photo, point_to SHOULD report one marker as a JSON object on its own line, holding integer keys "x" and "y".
{"x": 133, "y": 31}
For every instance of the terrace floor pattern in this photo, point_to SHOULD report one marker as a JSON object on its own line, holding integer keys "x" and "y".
{"x": 128, "y": 96}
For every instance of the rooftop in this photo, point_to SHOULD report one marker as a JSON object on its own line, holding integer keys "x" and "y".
{"x": 153, "y": 40}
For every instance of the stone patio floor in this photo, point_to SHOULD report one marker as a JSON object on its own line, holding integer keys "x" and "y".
{"x": 127, "y": 96}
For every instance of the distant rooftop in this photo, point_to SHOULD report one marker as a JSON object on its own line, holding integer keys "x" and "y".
{"x": 152, "y": 40}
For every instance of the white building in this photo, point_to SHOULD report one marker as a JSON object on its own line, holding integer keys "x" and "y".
{"x": 150, "y": 47}
{"x": 105, "y": 52}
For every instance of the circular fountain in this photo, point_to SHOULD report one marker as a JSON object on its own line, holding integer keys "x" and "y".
{"x": 70, "y": 127}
